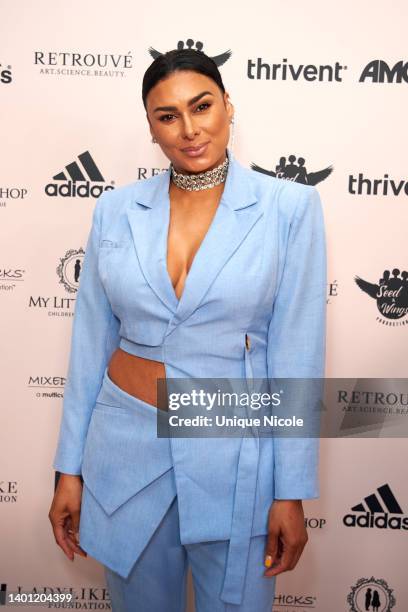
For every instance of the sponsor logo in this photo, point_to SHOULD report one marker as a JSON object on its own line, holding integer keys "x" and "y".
{"x": 69, "y": 63}
{"x": 371, "y": 594}
{"x": 68, "y": 272}
{"x": 375, "y": 510}
{"x": 285, "y": 71}
{"x": 69, "y": 269}
{"x": 47, "y": 386}
{"x": 8, "y": 491}
{"x": 6, "y": 75}
{"x": 370, "y": 405}
{"x": 390, "y": 294}
{"x": 294, "y": 169}
{"x": 374, "y": 400}
{"x": 381, "y": 187}
{"x": 145, "y": 173}
{"x": 81, "y": 180}
{"x": 57, "y": 306}
{"x": 9, "y": 277}
{"x": 332, "y": 291}
{"x": 11, "y": 193}
{"x": 378, "y": 71}
{"x": 315, "y": 522}
{"x": 219, "y": 59}
{"x": 298, "y": 602}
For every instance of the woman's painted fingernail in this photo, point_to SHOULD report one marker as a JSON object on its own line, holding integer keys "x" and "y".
{"x": 268, "y": 561}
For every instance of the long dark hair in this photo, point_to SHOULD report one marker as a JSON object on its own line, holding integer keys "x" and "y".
{"x": 180, "y": 59}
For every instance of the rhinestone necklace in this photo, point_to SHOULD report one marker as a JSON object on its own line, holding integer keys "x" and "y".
{"x": 203, "y": 180}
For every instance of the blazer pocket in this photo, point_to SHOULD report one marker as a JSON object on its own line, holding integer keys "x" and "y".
{"x": 122, "y": 454}
{"x": 113, "y": 244}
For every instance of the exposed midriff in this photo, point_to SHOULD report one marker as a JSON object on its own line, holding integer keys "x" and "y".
{"x": 136, "y": 375}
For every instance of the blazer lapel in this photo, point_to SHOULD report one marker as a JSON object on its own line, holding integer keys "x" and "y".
{"x": 236, "y": 215}
{"x": 149, "y": 220}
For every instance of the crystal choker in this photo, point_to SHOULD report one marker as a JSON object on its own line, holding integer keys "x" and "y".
{"x": 203, "y": 180}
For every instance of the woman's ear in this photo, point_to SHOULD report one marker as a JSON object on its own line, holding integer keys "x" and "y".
{"x": 150, "y": 126}
{"x": 148, "y": 120}
{"x": 229, "y": 106}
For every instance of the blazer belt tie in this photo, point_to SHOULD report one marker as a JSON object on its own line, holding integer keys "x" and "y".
{"x": 243, "y": 510}
{"x": 242, "y": 518}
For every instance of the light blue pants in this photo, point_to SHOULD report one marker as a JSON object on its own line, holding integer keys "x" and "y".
{"x": 157, "y": 582}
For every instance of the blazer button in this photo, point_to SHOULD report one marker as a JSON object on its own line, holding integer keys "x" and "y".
{"x": 247, "y": 342}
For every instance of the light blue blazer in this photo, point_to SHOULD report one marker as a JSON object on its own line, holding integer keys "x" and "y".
{"x": 259, "y": 273}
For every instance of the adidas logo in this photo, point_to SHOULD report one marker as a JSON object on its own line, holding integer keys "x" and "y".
{"x": 78, "y": 180}
{"x": 375, "y": 511}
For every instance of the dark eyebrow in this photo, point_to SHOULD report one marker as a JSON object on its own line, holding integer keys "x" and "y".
{"x": 190, "y": 102}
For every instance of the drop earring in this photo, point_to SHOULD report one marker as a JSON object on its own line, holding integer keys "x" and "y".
{"x": 154, "y": 140}
{"x": 232, "y": 134}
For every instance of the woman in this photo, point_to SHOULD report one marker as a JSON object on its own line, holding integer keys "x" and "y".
{"x": 206, "y": 270}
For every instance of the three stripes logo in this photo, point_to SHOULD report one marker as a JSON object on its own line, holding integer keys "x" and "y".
{"x": 379, "y": 510}
{"x": 79, "y": 179}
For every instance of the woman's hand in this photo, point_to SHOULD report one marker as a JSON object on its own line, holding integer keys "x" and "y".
{"x": 64, "y": 514}
{"x": 287, "y": 536}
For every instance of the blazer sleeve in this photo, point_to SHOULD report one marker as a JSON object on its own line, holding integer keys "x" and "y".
{"x": 94, "y": 337}
{"x": 297, "y": 341}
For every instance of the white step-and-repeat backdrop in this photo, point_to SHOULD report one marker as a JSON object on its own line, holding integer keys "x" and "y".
{"x": 320, "y": 93}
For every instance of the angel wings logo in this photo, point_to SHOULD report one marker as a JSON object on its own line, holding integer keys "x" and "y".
{"x": 294, "y": 169}
{"x": 390, "y": 294}
{"x": 219, "y": 59}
